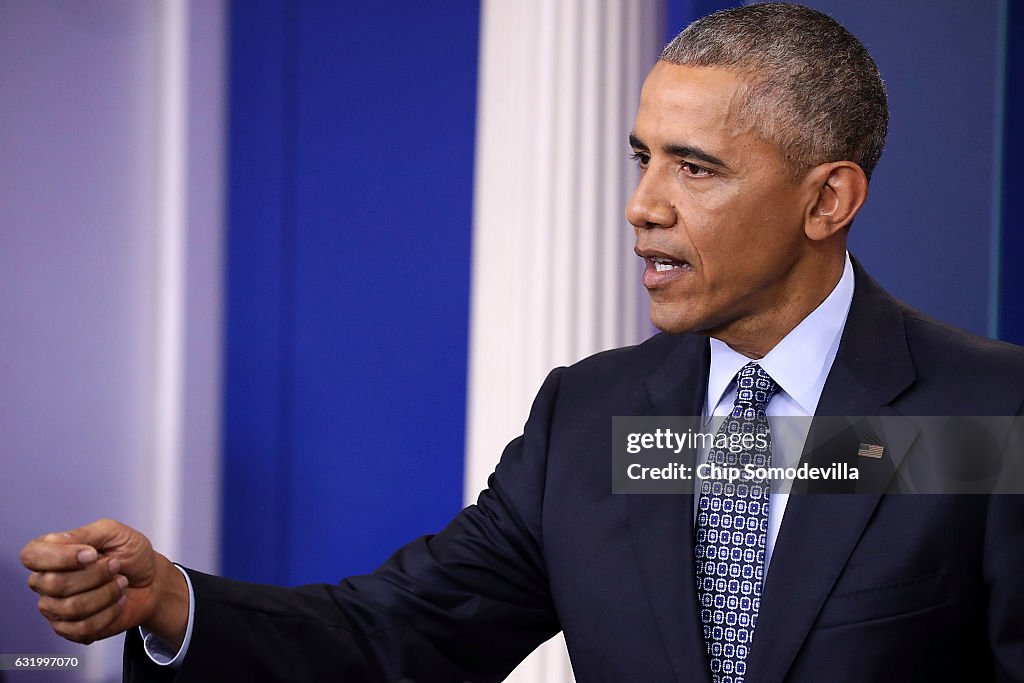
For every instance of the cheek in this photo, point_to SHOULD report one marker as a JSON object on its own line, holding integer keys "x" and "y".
{"x": 718, "y": 235}
{"x": 735, "y": 247}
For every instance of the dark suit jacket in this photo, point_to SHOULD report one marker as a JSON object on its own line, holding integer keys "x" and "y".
{"x": 861, "y": 588}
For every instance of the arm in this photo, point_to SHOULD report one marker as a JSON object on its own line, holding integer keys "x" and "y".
{"x": 468, "y": 603}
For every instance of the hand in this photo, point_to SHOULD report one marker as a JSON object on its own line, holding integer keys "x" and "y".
{"x": 104, "y": 578}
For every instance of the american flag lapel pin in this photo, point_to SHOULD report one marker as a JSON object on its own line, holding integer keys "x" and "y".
{"x": 870, "y": 450}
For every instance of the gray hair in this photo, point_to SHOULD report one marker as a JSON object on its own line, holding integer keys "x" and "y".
{"x": 812, "y": 88}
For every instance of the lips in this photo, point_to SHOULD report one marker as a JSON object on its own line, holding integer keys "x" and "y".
{"x": 662, "y": 267}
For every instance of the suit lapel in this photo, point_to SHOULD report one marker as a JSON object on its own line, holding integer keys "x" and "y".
{"x": 662, "y": 525}
{"x": 819, "y": 531}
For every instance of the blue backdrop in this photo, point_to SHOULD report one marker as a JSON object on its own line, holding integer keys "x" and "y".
{"x": 350, "y": 194}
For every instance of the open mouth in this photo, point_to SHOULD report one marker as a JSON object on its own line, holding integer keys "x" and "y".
{"x": 661, "y": 268}
{"x": 663, "y": 265}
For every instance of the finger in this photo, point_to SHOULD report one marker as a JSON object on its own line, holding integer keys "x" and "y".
{"x": 67, "y": 583}
{"x": 95, "y": 627}
{"x": 101, "y": 534}
{"x": 82, "y": 606}
{"x": 44, "y": 555}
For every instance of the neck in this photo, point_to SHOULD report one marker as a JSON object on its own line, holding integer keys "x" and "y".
{"x": 755, "y": 335}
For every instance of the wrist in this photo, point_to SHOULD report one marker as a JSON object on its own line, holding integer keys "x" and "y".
{"x": 169, "y": 610}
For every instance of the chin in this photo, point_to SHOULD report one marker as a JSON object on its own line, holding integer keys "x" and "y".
{"x": 672, "y": 320}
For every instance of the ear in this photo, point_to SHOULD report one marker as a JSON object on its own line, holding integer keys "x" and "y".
{"x": 838, "y": 190}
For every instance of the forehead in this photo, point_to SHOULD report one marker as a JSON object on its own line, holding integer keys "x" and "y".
{"x": 679, "y": 103}
{"x": 704, "y": 107}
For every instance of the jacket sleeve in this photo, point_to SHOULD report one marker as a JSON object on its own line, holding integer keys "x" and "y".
{"x": 467, "y": 604}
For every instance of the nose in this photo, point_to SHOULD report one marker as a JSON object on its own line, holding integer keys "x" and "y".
{"x": 649, "y": 207}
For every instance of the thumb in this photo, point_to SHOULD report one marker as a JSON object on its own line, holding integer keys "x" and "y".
{"x": 129, "y": 549}
{"x": 69, "y": 550}
{"x": 84, "y": 555}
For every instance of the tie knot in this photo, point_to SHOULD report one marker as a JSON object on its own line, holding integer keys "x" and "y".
{"x": 754, "y": 388}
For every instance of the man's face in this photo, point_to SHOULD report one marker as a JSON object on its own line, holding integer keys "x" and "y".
{"x": 718, "y": 218}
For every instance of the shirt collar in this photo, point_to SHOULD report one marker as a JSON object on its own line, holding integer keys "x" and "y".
{"x": 801, "y": 361}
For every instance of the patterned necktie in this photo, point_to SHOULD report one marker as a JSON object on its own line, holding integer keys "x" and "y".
{"x": 732, "y": 529}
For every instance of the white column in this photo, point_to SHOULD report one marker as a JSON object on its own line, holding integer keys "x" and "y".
{"x": 554, "y": 275}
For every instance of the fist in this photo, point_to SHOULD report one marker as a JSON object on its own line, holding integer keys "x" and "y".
{"x": 102, "y": 579}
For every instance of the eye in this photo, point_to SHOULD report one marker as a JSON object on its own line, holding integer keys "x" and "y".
{"x": 642, "y": 159}
{"x": 696, "y": 171}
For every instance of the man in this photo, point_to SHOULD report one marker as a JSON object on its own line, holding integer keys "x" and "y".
{"x": 756, "y": 135}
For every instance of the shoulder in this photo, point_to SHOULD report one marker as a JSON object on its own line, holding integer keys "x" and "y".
{"x": 985, "y": 373}
{"x": 934, "y": 367}
{"x": 630, "y": 363}
{"x": 931, "y": 337}
{"x": 625, "y": 380}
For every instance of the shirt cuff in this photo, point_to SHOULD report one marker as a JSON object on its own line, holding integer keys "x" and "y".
{"x": 160, "y": 652}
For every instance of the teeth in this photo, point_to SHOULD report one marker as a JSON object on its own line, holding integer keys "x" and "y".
{"x": 662, "y": 267}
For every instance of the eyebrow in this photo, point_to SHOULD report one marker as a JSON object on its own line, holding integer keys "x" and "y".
{"x": 686, "y": 151}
